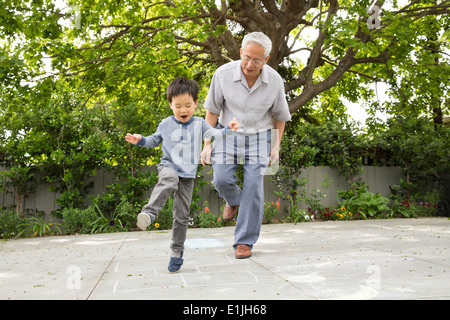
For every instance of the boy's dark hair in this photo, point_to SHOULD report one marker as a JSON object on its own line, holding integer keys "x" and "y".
{"x": 181, "y": 86}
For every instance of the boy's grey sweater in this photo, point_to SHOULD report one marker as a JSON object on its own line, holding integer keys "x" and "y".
{"x": 181, "y": 143}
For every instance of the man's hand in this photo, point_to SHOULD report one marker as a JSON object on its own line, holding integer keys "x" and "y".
{"x": 133, "y": 138}
{"x": 234, "y": 124}
{"x": 206, "y": 153}
{"x": 274, "y": 155}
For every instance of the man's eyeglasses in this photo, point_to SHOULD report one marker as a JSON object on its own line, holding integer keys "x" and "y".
{"x": 255, "y": 62}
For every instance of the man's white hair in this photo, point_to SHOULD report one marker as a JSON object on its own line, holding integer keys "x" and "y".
{"x": 258, "y": 38}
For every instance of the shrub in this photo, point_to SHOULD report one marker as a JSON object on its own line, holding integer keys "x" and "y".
{"x": 338, "y": 213}
{"x": 368, "y": 204}
{"x": 405, "y": 209}
{"x": 9, "y": 220}
{"x": 121, "y": 219}
{"x": 206, "y": 219}
{"x": 38, "y": 226}
{"x": 78, "y": 220}
{"x": 270, "y": 210}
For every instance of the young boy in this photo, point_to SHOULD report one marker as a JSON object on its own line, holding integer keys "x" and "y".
{"x": 181, "y": 137}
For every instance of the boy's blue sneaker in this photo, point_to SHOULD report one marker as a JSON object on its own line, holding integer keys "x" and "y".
{"x": 144, "y": 220}
{"x": 175, "y": 263}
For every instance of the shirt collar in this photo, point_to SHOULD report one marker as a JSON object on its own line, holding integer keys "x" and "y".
{"x": 183, "y": 123}
{"x": 237, "y": 76}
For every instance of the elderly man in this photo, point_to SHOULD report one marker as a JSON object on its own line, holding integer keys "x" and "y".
{"x": 253, "y": 93}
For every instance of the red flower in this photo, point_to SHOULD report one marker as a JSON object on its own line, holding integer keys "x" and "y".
{"x": 206, "y": 210}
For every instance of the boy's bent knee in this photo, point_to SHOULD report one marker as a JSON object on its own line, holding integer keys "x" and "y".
{"x": 169, "y": 176}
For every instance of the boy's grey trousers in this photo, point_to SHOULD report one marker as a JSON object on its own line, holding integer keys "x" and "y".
{"x": 169, "y": 182}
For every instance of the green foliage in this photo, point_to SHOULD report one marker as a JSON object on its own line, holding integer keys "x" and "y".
{"x": 355, "y": 189}
{"x": 289, "y": 185}
{"x": 9, "y": 220}
{"x": 132, "y": 190}
{"x": 206, "y": 219}
{"x": 37, "y": 226}
{"x": 418, "y": 206}
{"x": 334, "y": 143}
{"x": 368, "y": 205}
{"x": 404, "y": 209}
{"x": 270, "y": 210}
{"x": 339, "y": 213}
{"x": 421, "y": 149}
{"x": 78, "y": 221}
{"x": 21, "y": 180}
{"x": 120, "y": 219}
{"x": 313, "y": 200}
{"x": 297, "y": 215}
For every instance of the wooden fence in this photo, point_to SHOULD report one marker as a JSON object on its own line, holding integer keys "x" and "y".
{"x": 379, "y": 180}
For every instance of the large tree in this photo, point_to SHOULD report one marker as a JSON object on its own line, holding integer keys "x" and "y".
{"x": 109, "y": 44}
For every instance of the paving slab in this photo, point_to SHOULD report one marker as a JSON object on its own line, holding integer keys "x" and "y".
{"x": 357, "y": 260}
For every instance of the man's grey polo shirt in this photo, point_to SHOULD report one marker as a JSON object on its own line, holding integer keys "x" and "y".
{"x": 254, "y": 108}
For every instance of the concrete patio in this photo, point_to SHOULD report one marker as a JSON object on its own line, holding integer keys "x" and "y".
{"x": 370, "y": 259}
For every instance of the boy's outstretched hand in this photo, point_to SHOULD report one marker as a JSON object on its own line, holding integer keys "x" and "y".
{"x": 133, "y": 138}
{"x": 234, "y": 124}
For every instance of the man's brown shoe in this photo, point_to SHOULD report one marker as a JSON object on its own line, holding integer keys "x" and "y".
{"x": 229, "y": 212}
{"x": 243, "y": 251}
